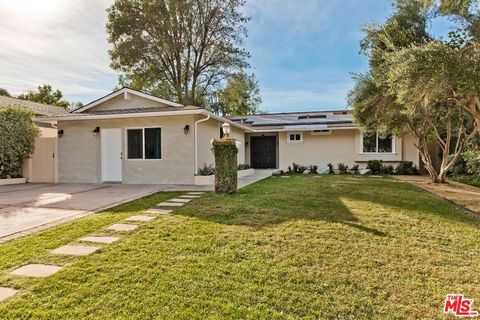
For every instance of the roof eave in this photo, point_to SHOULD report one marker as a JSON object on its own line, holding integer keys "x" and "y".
{"x": 123, "y": 91}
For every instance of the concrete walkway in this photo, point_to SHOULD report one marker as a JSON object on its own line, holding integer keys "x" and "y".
{"x": 459, "y": 193}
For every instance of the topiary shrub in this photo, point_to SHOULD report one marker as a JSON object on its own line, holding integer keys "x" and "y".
{"x": 376, "y": 166}
{"x": 17, "y": 139}
{"x": 225, "y": 151}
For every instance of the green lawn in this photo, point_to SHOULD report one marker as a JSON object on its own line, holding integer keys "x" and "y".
{"x": 333, "y": 247}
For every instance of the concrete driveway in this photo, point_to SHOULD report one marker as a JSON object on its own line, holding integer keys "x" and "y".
{"x": 31, "y": 207}
{"x": 28, "y": 208}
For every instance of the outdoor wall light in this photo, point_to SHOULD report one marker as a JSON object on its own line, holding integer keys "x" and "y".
{"x": 96, "y": 131}
{"x": 226, "y": 129}
{"x": 60, "y": 133}
{"x": 186, "y": 129}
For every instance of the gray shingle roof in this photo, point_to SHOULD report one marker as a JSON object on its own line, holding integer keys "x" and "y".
{"x": 37, "y": 108}
{"x": 125, "y": 111}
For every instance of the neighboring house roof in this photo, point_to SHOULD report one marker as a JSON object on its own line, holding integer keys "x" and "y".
{"x": 126, "y": 91}
{"x": 297, "y": 121}
{"x": 39, "y": 109}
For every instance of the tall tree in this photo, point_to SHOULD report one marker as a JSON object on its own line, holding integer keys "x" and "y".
{"x": 420, "y": 85}
{"x": 45, "y": 94}
{"x": 4, "y": 92}
{"x": 240, "y": 96}
{"x": 181, "y": 48}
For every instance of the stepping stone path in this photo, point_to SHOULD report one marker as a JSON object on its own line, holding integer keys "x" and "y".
{"x": 158, "y": 211}
{"x": 6, "y": 293}
{"x": 170, "y": 204}
{"x": 36, "y": 270}
{"x": 76, "y": 250}
{"x": 42, "y": 270}
{"x": 180, "y": 200}
{"x": 140, "y": 218}
{"x": 107, "y": 240}
{"x": 122, "y": 227}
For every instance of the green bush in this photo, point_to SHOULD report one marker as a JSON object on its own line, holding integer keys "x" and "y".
{"x": 342, "y": 168}
{"x": 17, "y": 139}
{"x": 472, "y": 161}
{"x": 313, "y": 169}
{"x": 376, "y": 166}
{"x": 225, "y": 151}
{"x": 298, "y": 168}
{"x": 406, "y": 168}
{"x": 330, "y": 169}
{"x": 355, "y": 169}
{"x": 388, "y": 169}
{"x": 206, "y": 170}
{"x": 471, "y": 180}
{"x": 243, "y": 166}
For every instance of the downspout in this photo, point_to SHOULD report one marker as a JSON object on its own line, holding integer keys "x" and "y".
{"x": 195, "y": 142}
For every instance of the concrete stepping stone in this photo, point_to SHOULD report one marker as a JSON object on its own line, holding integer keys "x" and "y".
{"x": 189, "y": 197}
{"x": 180, "y": 200}
{"x": 76, "y": 250}
{"x": 140, "y": 218}
{"x": 170, "y": 204}
{"x": 122, "y": 227}
{"x": 107, "y": 240}
{"x": 6, "y": 293}
{"x": 195, "y": 193}
{"x": 158, "y": 211}
{"x": 36, "y": 270}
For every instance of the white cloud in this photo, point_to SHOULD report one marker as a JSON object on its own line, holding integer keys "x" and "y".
{"x": 62, "y": 43}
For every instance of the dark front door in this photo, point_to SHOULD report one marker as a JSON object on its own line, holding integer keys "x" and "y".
{"x": 263, "y": 152}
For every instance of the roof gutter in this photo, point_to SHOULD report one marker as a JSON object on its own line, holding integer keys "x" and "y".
{"x": 195, "y": 142}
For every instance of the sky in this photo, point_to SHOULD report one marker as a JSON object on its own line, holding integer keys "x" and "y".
{"x": 303, "y": 52}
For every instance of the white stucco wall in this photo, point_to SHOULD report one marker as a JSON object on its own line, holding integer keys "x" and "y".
{"x": 80, "y": 152}
{"x": 211, "y": 129}
{"x": 341, "y": 146}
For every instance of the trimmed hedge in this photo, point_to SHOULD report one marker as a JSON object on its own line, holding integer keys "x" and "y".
{"x": 225, "y": 151}
{"x": 17, "y": 139}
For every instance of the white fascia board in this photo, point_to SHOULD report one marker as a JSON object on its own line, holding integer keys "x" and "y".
{"x": 143, "y": 115}
{"x": 287, "y": 129}
{"x": 126, "y": 92}
{"x": 121, "y": 116}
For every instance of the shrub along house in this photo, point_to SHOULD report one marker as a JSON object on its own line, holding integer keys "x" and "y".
{"x": 41, "y": 166}
{"x": 133, "y": 137}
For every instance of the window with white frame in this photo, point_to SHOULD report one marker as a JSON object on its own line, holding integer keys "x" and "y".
{"x": 294, "y": 137}
{"x": 372, "y": 142}
{"x": 144, "y": 143}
